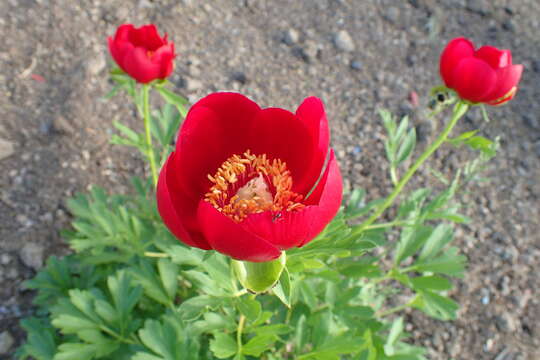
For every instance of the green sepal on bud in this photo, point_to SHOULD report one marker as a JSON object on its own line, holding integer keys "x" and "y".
{"x": 259, "y": 277}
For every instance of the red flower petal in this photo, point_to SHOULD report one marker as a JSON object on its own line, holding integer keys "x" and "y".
{"x": 473, "y": 79}
{"x": 282, "y": 135}
{"x": 296, "y": 228}
{"x": 507, "y": 78}
{"x": 456, "y": 50}
{"x": 138, "y": 65}
{"x": 164, "y": 56}
{"x": 123, "y": 31}
{"x": 118, "y": 50}
{"x": 147, "y": 37}
{"x": 215, "y": 129}
{"x": 170, "y": 215}
{"x": 311, "y": 113}
{"x": 231, "y": 239}
{"x": 494, "y": 57}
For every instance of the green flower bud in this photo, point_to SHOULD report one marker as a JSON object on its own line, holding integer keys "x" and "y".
{"x": 258, "y": 277}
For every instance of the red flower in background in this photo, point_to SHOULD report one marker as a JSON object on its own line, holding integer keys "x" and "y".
{"x": 142, "y": 53}
{"x": 244, "y": 181}
{"x": 486, "y": 75}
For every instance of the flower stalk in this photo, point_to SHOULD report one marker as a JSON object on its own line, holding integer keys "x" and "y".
{"x": 459, "y": 110}
{"x": 149, "y": 147}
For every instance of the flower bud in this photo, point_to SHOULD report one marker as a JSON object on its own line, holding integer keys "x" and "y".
{"x": 258, "y": 277}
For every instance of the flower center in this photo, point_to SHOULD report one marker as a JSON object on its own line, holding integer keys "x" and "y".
{"x": 248, "y": 184}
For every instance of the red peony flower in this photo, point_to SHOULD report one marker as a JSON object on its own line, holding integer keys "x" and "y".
{"x": 142, "y": 53}
{"x": 244, "y": 181}
{"x": 486, "y": 75}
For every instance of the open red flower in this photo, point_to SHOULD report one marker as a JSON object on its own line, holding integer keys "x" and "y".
{"x": 486, "y": 75}
{"x": 250, "y": 182}
{"x": 142, "y": 53}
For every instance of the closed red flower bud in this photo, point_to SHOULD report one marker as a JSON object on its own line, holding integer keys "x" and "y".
{"x": 486, "y": 75}
{"x": 142, "y": 53}
{"x": 250, "y": 182}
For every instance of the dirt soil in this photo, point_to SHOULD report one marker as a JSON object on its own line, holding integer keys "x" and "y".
{"x": 55, "y": 126}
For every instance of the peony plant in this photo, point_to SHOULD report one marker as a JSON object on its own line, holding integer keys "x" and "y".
{"x": 243, "y": 246}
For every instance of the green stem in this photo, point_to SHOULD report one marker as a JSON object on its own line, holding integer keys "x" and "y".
{"x": 393, "y": 175}
{"x": 395, "y": 309}
{"x": 239, "y": 331}
{"x": 388, "y": 224}
{"x": 459, "y": 110}
{"x": 149, "y": 147}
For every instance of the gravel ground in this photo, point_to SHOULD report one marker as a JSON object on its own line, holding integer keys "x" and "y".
{"x": 356, "y": 55}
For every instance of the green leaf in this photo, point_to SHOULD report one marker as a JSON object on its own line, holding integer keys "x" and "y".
{"x": 223, "y": 346}
{"x": 258, "y": 344}
{"x": 395, "y": 332}
{"x": 435, "y": 305}
{"x": 407, "y": 147}
{"x": 432, "y": 282}
{"x": 174, "y": 99}
{"x": 195, "y": 306}
{"x": 449, "y": 263}
{"x": 249, "y": 307}
{"x": 147, "y": 277}
{"x": 411, "y": 239}
{"x": 283, "y": 288}
{"x": 40, "y": 343}
{"x": 163, "y": 339}
{"x": 168, "y": 273}
{"x": 439, "y": 238}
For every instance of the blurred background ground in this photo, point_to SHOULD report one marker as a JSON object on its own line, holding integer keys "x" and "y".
{"x": 356, "y": 55}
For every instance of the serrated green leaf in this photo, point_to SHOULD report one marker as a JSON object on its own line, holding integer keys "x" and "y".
{"x": 223, "y": 346}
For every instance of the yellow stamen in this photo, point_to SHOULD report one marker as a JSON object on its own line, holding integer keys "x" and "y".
{"x": 248, "y": 184}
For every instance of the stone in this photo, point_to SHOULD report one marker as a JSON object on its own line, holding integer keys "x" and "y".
{"x": 480, "y": 7}
{"x": 7, "y": 148}
{"x": 344, "y": 41}
{"x": 356, "y": 65}
{"x": 6, "y": 342}
{"x": 32, "y": 255}
{"x": 291, "y": 37}
{"x": 392, "y": 14}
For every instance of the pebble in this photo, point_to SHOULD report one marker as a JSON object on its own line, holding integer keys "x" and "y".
{"x": 6, "y": 342}
{"x": 291, "y": 37}
{"x": 239, "y": 77}
{"x": 536, "y": 65}
{"x": 7, "y": 148}
{"x": 356, "y": 65}
{"x": 392, "y": 14}
{"x": 32, "y": 255}
{"x": 308, "y": 52}
{"x": 480, "y": 7}
{"x": 344, "y": 41}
